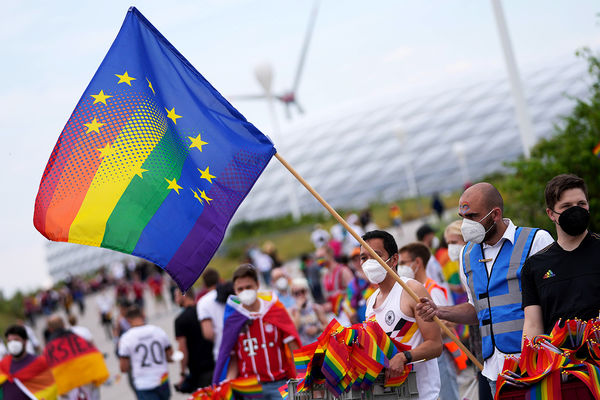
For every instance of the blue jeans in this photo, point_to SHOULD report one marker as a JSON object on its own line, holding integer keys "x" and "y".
{"x": 448, "y": 387}
{"x": 162, "y": 392}
{"x": 271, "y": 390}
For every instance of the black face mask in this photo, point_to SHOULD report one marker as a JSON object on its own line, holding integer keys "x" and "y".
{"x": 574, "y": 220}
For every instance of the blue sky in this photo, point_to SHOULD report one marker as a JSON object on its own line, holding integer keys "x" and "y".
{"x": 360, "y": 51}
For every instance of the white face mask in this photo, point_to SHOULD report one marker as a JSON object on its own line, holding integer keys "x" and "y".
{"x": 435, "y": 243}
{"x": 247, "y": 297}
{"x": 454, "y": 251}
{"x": 281, "y": 284}
{"x": 374, "y": 272}
{"x": 14, "y": 347}
{"x": 474, "y": 231}
{"x": 406, "y": 272}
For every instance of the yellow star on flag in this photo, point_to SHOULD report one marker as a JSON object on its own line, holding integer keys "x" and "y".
{"x": 106, "y": 150}
{"x": 94, "y": 126}
{"x": 173, "y": 185}
{"x": 197, "y": 142}
{"x": 206, "y": 174}
{"x": 125, "y": 78}
{"x": 197, "y": 197}
{"x": 171, "y": 114}
{"x": 150, "y": 86}
{"x": 100, "y": 97}
{"x": 205, "y": 197}
{"x": 139, "y": 171}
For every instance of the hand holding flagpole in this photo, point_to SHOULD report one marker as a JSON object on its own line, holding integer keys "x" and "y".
{"x": 341, "y": 220}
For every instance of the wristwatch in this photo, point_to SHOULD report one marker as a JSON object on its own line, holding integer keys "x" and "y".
{"x": 408, "y": 356}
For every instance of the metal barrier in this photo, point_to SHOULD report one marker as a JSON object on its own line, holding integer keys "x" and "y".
{"x": 408, "y": 390}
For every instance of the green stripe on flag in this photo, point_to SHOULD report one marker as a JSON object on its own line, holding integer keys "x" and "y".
{"x": 144, "y": 195}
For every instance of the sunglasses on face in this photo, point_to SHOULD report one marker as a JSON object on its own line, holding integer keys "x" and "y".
{"x": 297, "y": 293}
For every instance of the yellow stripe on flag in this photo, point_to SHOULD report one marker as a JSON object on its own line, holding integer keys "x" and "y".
{"x": 88, "y": 368}
{"x": 122, "y": 161}
{"x": 49, "y": 393}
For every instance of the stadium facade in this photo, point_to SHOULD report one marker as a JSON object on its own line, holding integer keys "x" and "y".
{"x": 357, "y": 157}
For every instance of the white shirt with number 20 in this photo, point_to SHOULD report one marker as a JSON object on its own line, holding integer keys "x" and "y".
{"x": 145, "y": 346}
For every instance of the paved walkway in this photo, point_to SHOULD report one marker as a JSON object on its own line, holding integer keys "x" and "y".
{"x": 118, "y": 387}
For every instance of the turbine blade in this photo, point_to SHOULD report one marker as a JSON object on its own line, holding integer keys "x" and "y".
{"x": 247, "y": 97}
{"x": 311, "y": 26}
{"x": 288, "y": 113}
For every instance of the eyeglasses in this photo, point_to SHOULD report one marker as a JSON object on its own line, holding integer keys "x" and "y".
{"x": 297, "y": 293}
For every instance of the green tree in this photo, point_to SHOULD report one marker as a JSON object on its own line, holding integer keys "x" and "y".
{"x": 569, "y": 150}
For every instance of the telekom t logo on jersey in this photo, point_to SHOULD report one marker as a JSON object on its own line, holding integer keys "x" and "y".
{"x": 250, "y": 346}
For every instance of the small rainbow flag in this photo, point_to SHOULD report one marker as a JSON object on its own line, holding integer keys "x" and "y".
{"x": 283, "y": 391}
{"x": 596, "y": 150}
{"x": 303, "y": 356}
{"x": 153, "y": 161}
{"x": 336, "y": 365}
{"x": 591, "y": 378}
{"x": 547, "y": 389}
{"x": 247, "y": 387}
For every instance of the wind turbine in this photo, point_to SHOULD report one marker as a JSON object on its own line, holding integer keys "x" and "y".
{"x": 264, "y": 74}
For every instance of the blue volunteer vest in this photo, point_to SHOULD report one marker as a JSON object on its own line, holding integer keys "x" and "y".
{"x": 497, "y": 298}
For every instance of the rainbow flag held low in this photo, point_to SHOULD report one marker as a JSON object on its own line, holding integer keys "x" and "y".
{"x": 570, "y": 349}
{"x": 74, "y": 362}
{"x": 248, "y": 388}
{"x": 546, "y": 389}
{"x": 35, "y": 379}
{"x": 345, "y": 358}
{"x": 153, "y": 161}
{"x": 596, "y": 150}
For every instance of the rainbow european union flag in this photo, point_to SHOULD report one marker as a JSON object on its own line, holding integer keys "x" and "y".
{"x": 153, "y": 162}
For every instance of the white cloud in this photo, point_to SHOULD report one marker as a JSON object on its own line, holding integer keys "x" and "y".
{"x": 398, "y": 54}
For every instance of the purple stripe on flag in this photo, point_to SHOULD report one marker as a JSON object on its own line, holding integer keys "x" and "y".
{"x": 201, "y": 243}
{"x": 198, "y": 248}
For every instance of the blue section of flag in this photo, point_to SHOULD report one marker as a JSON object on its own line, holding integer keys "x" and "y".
{"x": 175, "y": 231}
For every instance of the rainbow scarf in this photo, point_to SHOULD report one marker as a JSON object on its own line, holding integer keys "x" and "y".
{"x": 35, "y": 378}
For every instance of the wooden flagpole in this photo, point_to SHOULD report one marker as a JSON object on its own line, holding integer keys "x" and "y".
{"x": 341, "y": 220}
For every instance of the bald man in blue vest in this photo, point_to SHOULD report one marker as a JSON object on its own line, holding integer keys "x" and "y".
{"x": 490, "y": 269}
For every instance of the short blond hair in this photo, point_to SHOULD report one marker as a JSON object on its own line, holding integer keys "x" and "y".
{"x": 453, "y": 229}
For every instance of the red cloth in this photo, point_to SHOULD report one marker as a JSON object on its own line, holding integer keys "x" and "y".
{"x": 261, "y": 350}
{"x": 138, "y": 290}
{"x": 32, "y": 369}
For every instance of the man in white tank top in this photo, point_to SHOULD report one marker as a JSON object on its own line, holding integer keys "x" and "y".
{"x": 394, "y": 311}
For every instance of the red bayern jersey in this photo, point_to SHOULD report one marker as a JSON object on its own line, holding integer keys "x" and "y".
{"x": 260, "y": 351}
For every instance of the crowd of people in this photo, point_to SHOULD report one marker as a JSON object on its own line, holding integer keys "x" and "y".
{"x": 489, "y": 281}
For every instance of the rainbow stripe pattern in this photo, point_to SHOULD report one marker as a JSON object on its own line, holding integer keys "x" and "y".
{"x": 546, "y": 389}
{"x": 36, "y": 377}
{"x": 347, "y": 358}
{"x": 248, "y": 388}
{"x": 153, "y": 161}
{"x": 570, "y": 349}
{"x": 596, "y": 150}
